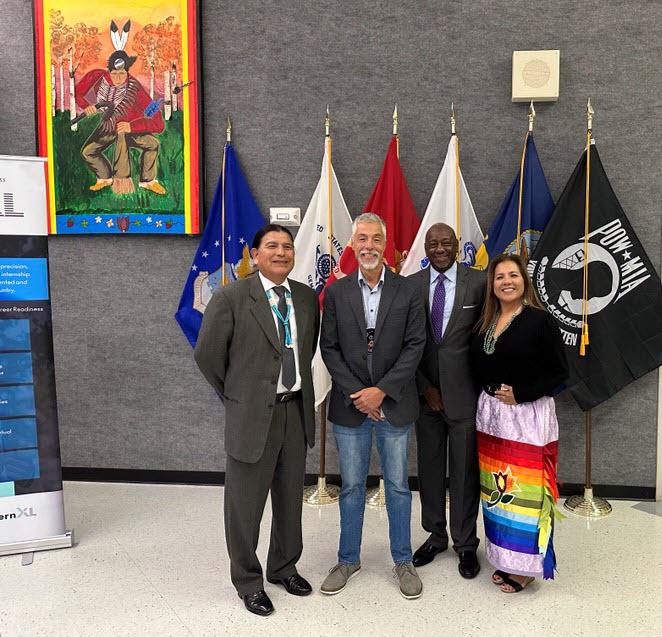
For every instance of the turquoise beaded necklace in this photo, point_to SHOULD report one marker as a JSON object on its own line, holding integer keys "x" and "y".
{"x": 490, "y": 340}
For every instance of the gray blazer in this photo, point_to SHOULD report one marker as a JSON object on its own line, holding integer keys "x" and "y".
{"x": 399, "y": 342}
{"x": 238, "y": 351}
{"x": 447, "y": 365}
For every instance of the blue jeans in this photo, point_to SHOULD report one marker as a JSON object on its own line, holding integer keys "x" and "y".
{"x": 354, "y": 444}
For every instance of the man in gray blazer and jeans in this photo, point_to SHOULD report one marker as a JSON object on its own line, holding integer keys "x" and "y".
{"x": 453, "y": 296}
{"x": 255, "y": 348}
{"x": 373, "y": 334}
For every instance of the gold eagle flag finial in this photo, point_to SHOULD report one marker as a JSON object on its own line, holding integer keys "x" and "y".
{"x": 244, "y": 268}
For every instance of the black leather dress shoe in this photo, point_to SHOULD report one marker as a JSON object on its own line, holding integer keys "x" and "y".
{"x": 468, "y": 566}
{"x": 426, "y": 552}
{"x": 258, "y": 603}
{"x": 294, "y": 585}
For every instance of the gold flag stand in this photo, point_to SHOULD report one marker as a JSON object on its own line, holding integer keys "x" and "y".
{"x": 376, "y": 496}
{"x": 587, "y": 505}
{"x": 322, "y": 493}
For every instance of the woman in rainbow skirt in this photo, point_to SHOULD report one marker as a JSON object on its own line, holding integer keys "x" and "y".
{"x": 518, "y": 358}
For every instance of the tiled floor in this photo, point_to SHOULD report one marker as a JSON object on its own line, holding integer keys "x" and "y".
{"x": 151, "y": 560}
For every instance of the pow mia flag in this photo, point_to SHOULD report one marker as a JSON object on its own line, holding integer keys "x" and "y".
{"x": 624, "y": 292}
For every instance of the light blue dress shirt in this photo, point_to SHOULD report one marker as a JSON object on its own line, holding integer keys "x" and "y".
{"x": 449, "y": 284}
{"x": 371, "y": 298}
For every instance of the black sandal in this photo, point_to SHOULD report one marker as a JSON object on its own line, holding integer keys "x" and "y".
{"x": 502, "y": 575}
{"x": 514, "y": 584}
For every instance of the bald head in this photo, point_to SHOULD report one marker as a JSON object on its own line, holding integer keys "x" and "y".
{"x": 441, "y": 246}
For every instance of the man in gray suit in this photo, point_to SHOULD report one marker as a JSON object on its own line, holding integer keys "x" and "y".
{"x": 453, "y": 295}
{"x": 255, "y": 348}
{"x": 373, "y": 334}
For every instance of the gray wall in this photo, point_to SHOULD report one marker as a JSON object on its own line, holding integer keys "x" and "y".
{"x": 129, "y": 393}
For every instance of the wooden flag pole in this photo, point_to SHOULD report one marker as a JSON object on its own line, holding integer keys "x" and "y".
{"x": 587, "y": 505}
{"x": 329, "y": 187}
{"x": 458, "y": 229}
{"x": 532, "y": 117}
{"x": 228, "y": 140}
{"x": 321, "y": 493}
{"x": 395, "y": 130}
{"x": 329, "y": 182}
{"x": 376, "y": 496}
{"x": 587, "y": 450}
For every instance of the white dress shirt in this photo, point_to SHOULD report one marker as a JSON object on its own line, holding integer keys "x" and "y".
{"x": 268, "y": 288}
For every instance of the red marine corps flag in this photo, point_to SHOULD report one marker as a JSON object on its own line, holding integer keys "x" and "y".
{"x": 390, "y": 199}
{"x": 591, "y": 272}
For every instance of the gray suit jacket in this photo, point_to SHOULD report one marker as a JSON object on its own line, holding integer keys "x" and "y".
{"x": 238, "y": 351}
{"x": 447, "y": 365}
{"x": 399, "y": 342}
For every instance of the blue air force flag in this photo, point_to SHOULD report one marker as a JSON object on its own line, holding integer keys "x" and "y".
{"x": 442, "y": 208}
{"x": 537, "y": 207}
{"x": 242, "y": 221}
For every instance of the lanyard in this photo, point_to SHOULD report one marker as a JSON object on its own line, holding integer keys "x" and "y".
{"x": 285, "y": 320}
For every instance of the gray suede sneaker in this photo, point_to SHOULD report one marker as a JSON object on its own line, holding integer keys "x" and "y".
{"x": 410, "y": 583}
{"x": 338, "y": 577}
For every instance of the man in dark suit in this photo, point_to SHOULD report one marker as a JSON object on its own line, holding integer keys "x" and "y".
{"x": 453, "y": 296}
{"x": 373, "y": 334}
{"x": 255, "y": 348}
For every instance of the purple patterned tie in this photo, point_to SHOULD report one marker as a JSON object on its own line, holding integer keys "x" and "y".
{"x": 437, "y": 310}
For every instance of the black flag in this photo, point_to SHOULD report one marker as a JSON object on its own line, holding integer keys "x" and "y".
{"x": 624, "y": 292}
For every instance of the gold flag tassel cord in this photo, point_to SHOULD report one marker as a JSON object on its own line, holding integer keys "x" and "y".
{"x": 587, "y": 210}
{"x": 587, "y": 505}
{"x": 321, "y": 493}
{"x": 376, "y": 496}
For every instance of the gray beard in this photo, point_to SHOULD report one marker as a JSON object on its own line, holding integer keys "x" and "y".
{"x": 369, "y": 266}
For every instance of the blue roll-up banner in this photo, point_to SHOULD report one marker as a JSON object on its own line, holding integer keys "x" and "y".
{"x": 31, "y": 503}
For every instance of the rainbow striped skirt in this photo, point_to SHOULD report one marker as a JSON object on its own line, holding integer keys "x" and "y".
{"x": 517, "y": 452}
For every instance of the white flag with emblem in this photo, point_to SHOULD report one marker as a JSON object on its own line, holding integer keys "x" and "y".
{"x": 316, "y": 256}
{"x": 443, "y": 208}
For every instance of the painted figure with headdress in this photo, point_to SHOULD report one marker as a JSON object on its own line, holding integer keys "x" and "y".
{"x": 126, "y": 121}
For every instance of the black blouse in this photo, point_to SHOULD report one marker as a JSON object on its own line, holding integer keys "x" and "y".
{"x": 529, "y": 356}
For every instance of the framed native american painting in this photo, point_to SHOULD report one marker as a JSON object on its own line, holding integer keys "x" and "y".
{"x": 118, "y": 107}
